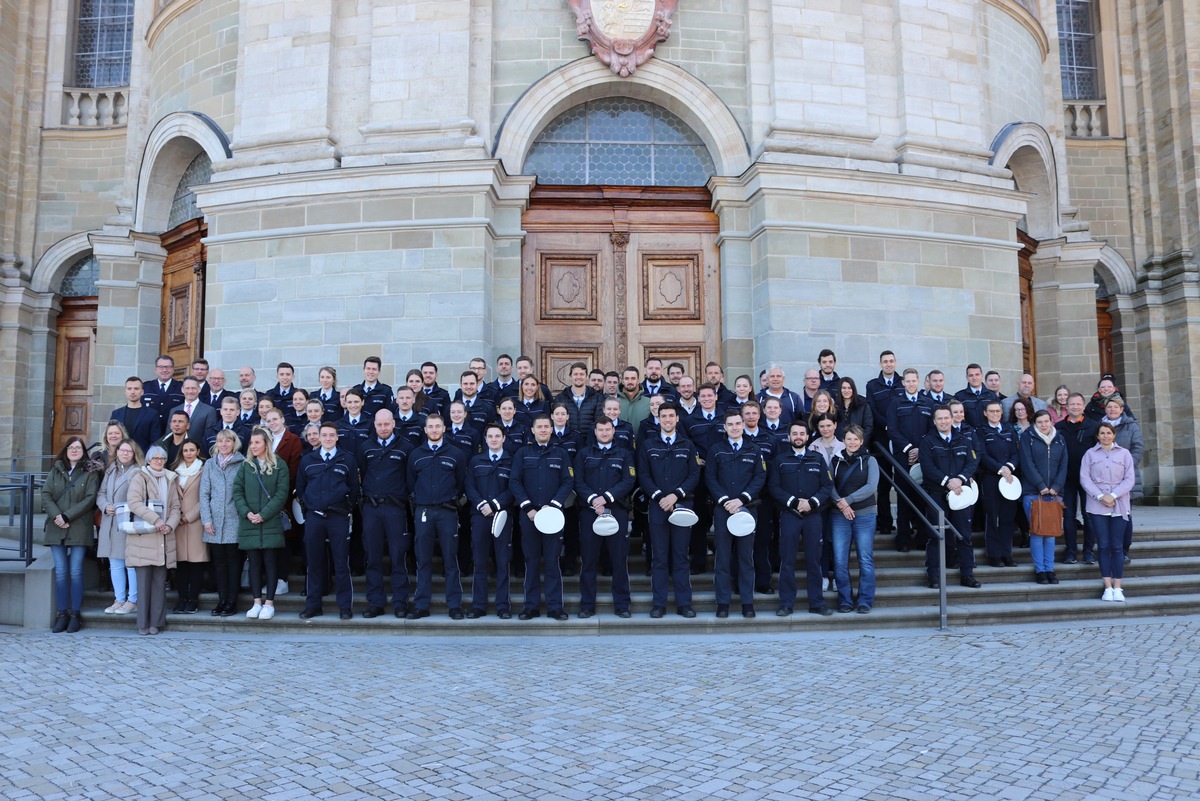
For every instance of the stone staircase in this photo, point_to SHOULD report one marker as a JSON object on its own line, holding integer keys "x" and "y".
{"x": 1163, "y": 579}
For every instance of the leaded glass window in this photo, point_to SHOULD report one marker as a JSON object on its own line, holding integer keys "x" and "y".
{"x": 103, "y": 43}
{"x": 80, "y": 280}
{"x": 619, "y": 140}
{"x": 1077, "y": 50}
{"x": 183, "y": 207}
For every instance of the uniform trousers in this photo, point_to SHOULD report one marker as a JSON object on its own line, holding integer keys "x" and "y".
{"x": 334, "y": 528}
{"x": 436, "y": 525}
{"x": 484, "y": 545}
{"x": 699, "y": 542}
{"x": 909, "y": 530}
{"x": 962, "y": 552}
{"x": 668, "y": 555}
{"x": 883, "y": 519}
{"x": 386, "y": 524}
{"x": 794, "y": 530}
{"x": 617, "y": 545}
{"x": 152, "y": 596}
{"x": 1000, "y": 515}
{"x": 764, "y": 534}
{"x": 542, "y": 552}
{"x": 724, "y": 546}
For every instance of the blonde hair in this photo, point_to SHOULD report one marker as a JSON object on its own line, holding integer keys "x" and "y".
{"x": 268, "y": 459}
{"x": 226, "y": 433}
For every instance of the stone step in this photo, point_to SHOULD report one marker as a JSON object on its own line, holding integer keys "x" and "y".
{"x": 958, "y": 615}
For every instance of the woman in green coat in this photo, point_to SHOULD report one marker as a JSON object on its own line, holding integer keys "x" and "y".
{"x": 69, "y": 499}
{"x": 260, "y": 491}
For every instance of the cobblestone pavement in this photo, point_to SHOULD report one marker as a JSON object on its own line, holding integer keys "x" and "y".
{"x": 1042, "y": 712}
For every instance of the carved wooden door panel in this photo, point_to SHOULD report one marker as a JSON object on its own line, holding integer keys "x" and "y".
{"x": 181, "y": 327}
{"x": 72, "y": 371}
{"x": 1028, "y": 328}
{"x": 613, "y": 275}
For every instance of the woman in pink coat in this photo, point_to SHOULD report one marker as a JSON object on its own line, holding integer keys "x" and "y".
{"x": 1107, "y": 476}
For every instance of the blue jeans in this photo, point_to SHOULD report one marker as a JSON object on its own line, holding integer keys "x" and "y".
{"x": 123, "y": 589}
{"x": 1042, "y": 551}
{"x": 1110, "y": 536}
{"x": 68, "y": 576}
{"x": 862, "y": 530}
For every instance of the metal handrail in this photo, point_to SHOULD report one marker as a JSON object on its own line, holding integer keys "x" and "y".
{"x": 939, "y": 528}
{"x": 24, "y": 486}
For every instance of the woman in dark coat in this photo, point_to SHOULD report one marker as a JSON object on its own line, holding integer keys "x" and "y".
{"x": 69, "y": 501}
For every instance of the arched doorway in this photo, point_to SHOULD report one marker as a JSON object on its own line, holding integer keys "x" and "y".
{"x": 1104, "y": 327}
{"x": 620, "y": 258}
{"x": 76, "y": 328}
{"x": 181, "y": 328}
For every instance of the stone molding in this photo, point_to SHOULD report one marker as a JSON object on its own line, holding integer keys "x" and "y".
{"x": 58, "y": 258}
{"x": 168, "y": 12}
{"x": 173, "y": 142}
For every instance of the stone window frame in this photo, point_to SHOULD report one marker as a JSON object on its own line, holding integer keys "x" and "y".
{"x": 101, "y": 43}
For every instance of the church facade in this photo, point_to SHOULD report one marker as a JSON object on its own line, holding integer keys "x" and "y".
{"x": 1008, "y": 182}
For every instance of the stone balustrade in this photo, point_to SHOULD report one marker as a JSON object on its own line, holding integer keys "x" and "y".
{"x": 95, "y": 108}
{"x": 1086, "y": 119}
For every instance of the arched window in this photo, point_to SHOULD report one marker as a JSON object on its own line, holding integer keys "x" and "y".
{"x": 80, "y": 280}
{"x": 103, "y": 43}
{"x": 619, "y": 140}
{"x": 183, "y": 207}
{"x": 1077, "y": 52}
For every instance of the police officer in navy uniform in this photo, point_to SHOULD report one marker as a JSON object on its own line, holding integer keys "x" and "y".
{"x": 880, "y": 392}
{"x": 570, "y": 440}
{"x": 542, "y": 475}
{"x": 328, "y": 489}
{"x": 910, "y": 418}
{"x": 735, "y": 475}
{"x": 229, "y": 420}
{"x": 437, "y": 399}
{"x": 480, "y": 411}
{"x": 437, "y": 472}
{"x": 410, "y": 423}
{"x": 376, "y": 394}
{"x": 975, "y": 397}
{"x": 506, "y": 384}
{"x": 383, "y": 463}
{"x": 997, "y": 444}
{"x": 766, "y": 534}
{"x": 703, "y": 428}
{"x": 163, "y": 393}
{"x": 356, "y": 425}
{"x": 655, "y": 384}
{"x": 468, "y": 439}
{"x": 605, "y": 475}
{"x": 669, "y": 472}
{"x": 487, "y": 493}
{"x": 948, "y": 460}
{"x": 800, "y": 484}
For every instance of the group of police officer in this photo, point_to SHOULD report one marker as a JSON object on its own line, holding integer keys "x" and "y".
{"x": 416, "y": 468}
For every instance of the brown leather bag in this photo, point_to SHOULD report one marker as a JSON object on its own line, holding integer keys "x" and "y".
{"x": 1046, "y": 517}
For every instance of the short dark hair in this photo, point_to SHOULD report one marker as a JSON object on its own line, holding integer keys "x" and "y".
{"x": 732, "y": 412}
{"x": 166, "y": 356}
{"x": 974, "y": 366}
{"x": 803, "y": 424}
{"x": 886, "y": 353}
{"x": 429, "y": 364}
{"x": 540, "y": 416}
{"x": 601, "y": 420}
{"x": 826, "y": 352}
{"x": 504, "y": 356}
{"x": 356, "y": 392}
{"x": 676, "y": 364}
{"x": 282, "y": 365}
{"x": 133, "y": 378}
{"x": 181, "y": 413}
{"x": 466, "y": 373}
{"x": 496, "y": 426}
{"x": 328, "y": 424}
{"x": 669, "y": 406}
{"x": 301, "y": 392}
{"x": 578, "y": 366}
{"x": 991, "y": 372}
{"x": 200, "y": 361}
{"x": 595, "y": 371}
{"x": 378, "y": 362}
{"x": 612, "y": 374}
{"x": 630, "y": 369}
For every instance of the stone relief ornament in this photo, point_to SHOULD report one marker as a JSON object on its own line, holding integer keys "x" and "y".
{"x": 623, "y": 33}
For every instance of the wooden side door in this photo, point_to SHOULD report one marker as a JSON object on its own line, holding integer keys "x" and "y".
{"x": 181, "y": 328}
{"x": 1025, "y": 272}
{"x": 613, "y": 275}
{"x": 1104, "y": 329}
{"x": 72, "y": 371}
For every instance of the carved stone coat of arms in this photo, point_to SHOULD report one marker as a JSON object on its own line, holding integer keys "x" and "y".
{"x": 623, "y": 33}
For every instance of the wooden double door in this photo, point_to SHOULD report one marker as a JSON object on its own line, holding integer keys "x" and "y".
{"x": 614, "y": 275}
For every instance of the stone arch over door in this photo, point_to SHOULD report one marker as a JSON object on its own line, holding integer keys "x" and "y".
{"x": 173, "y": 144}
{"x": 658, "y": 82}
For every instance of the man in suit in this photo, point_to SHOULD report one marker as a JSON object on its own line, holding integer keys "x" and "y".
{"x": 230, "y": 419}
{"x": 200, "y": 370}
{"x": 143, "y": 423}
{"x": 216, "y": 392}
{"x": 203, "y": 418}
{"x": 163, "y": 393}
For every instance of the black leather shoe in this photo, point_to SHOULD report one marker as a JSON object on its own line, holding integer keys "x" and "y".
{"x": 559, "y": 614}
{"x": 903, "y": 549}
{"x": 824, "y": 611}
{"x": 722, "y": 610}
{"x": 1088, "y": 559}
{"x": 308, "y": 614}
{"x": 970, "y": 582}
{"x": 996, "y": 562}
{"x": 766, "y": 589}
{"x": 504, "y": 614}
{"x": 400, "y": 611}
{"x": 373, "y": 611}
{"x": 178, "y": 608}
{"x": 1069, "y": 559}
{"x": 416, "y": 614}
{"x": 229, "y": 611}
{"x": 60, "y": 622}
{"x": 584, "y": 614}
{"x": 529, "y": 614}
{"x": 474, "y": 614}
{"x": 191, "y": 608}
{"x": 658, "y": 612}
{"x": 686, "y": 611}
{"x": 217, "y": 610}
{"x": 1042, "y": 578}
{"x": 345, "y": 614}
{"x": 783, "y": 611}
{"x": 624, "y": 614}
{"x": 1010, "y": 562}
{"x": 844, "y": 608}
{"x": 934, "y": 584}
{"x": 748, "y": 610}
{"x": 1051, "y": 578}
{"x": 456, "y": 613}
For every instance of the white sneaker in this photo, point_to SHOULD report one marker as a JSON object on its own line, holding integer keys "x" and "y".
{"x": 825, "y": 585}
{"x": 256, "y": 610}
{"x": 267, "y": 613}
{"x": 127, "y": 608}
{"x": 112, "y": 610}
{"x": 1108, "y": 595}
{"x": 1118, "y": 595}
{"x": 281, "y": 587}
